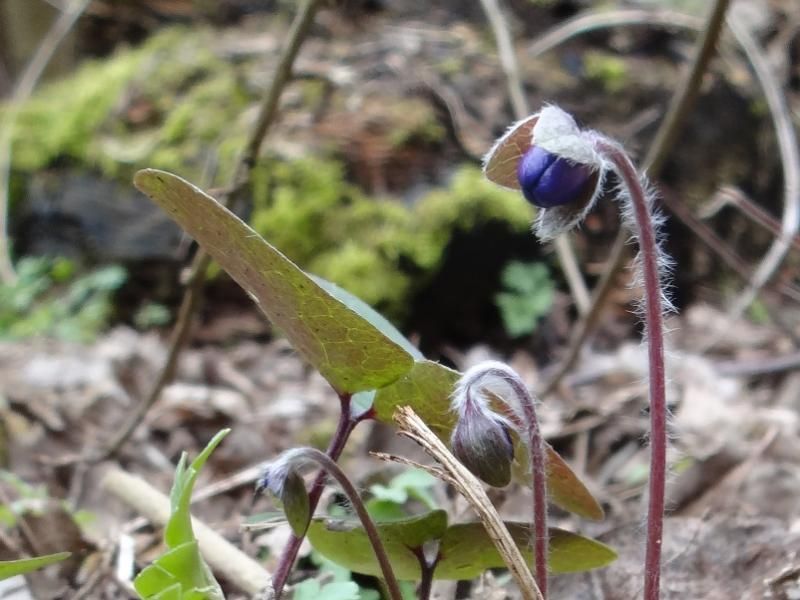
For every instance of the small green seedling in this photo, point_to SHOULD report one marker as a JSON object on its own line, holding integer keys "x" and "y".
{"x": 11, "y": 568}
{"x": 181, "y": 573}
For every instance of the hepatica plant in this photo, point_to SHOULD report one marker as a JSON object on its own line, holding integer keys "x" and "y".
{"x": 374, "y": 370}
{"x": 560, "y": 168}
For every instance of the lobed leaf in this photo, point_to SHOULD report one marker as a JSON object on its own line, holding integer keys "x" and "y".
{"x": 465, "y": 549}
{"x": 346, "y": 543}
{"x": 349, "y": 351}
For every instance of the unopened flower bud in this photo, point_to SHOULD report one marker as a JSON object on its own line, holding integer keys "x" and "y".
{"x": 555, "y": 165}
{"x": 482, "y": 442}
{"x": 548, "y": 180}
{"x": 288, "y": 486}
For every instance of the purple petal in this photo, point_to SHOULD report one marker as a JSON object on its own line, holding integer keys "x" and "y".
{"x": 548, "y": 180}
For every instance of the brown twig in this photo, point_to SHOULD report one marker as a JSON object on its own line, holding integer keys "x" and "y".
{"x": 662, "y": 144}
{"x": 414, "y": 428}
{"x": 732, "y": 196}
{"x": 516, "y": 92}
{"x": 790, "y": 160}
{"x": 180, "y": 333}
{"x": 709, "y": 237}
{"x": 592, "y": 21}
{"x": 22, "y": 91}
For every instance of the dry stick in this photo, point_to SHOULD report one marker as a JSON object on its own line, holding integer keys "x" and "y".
{"x": 33, "y": 71}
{"x": 508, "y": 61}
{"x": 662, "y": 144}
{"x": 414, "y": 428}
{"x": 593, "y": 21}
{"x": 790, "y": 158}
{"x": 733, "y": 196}
{"x": 297, "y": 34}
{"x": 710, "y": 238}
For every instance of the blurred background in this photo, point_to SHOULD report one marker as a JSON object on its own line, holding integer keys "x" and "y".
{"x": 370, "y": 177}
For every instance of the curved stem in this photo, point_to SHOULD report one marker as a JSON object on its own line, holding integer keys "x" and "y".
{"x": 649, "y": 251}
{"x": 538, "y": 466}
{"x": 343, "y": 430}
{"x": 332, "y": 469}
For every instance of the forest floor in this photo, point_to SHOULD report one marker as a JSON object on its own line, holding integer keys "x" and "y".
{"x": 733, "y": 529}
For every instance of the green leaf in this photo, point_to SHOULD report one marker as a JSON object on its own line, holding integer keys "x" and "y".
{"x": 529, "y": 296}
{"x": 345, "y": 542}
{"x": 178, "y": 568}
{"x": 181, "y": 573}
{"x": 346, "y": 348}
{"x": 427, "y": 387}
{"x": 179, "y": 528}
{"x": 412, "y": 483}
{"x": 10, "y": 568}
{"x": 564, "y": 488}
{"x": 467, "y": 551}
{"x": 310, "y": 589}
{"x": 358, "y": 306}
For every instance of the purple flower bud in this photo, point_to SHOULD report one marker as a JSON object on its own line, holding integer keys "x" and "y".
{"x": 482, "y": 442}
{"x": 548, "y": 180}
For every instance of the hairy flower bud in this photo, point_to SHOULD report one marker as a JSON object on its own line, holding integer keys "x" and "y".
{"x": 555, "y": 165}
{"x": 286, "y": 484}
{"x": 482, "y": 442}
{"x": 547, "y": 180}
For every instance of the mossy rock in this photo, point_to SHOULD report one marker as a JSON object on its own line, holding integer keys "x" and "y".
{"x": 164, "y": 104}
{"x": 179, "y": 103}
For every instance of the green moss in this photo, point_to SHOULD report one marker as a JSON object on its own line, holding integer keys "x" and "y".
{"x": 165, "y": 104}
{"x": 366, "y": 273}
{"x": 414, "y": 122}
{"x": 609, "y": 71}
{"x": 469, "y": 201}
{"x": 379, "y": 250}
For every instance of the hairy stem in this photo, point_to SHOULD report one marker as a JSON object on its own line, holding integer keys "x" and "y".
{"x": 343, "y": 430}
{"x": 664, "y": 141}
{"x": 538, "y": 467}
{"x": 648, "y": 247}
{"x": 332, "y": 469}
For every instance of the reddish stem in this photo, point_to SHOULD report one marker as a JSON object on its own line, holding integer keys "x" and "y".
{"x": 332, "y": 469}
{"x": 649, "y": 251}
{"x": 343, "y": 430}
{"x": 541, "y": 540}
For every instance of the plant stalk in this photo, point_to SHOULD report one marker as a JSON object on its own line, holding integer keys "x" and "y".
{"x": 343, "y": 430}
{"x": 332, "y": 469}
{"x": 426, "y": 569}
{"x": 538, "y": 467}
{"x": 654, "y": 322}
